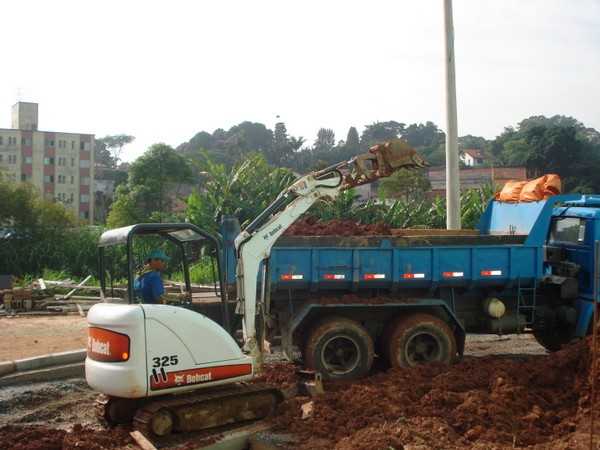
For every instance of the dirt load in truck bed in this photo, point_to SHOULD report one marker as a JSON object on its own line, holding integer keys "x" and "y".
{"x": 310, "y": 226}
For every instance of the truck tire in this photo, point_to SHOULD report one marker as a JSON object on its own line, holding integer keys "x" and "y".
{"x": 419, "y": 339}
{"x": 339, "y": 348}
{"x": 553, "y": 340}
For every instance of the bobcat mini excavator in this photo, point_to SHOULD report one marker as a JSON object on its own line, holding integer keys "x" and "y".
{"x": 139, "y": 355}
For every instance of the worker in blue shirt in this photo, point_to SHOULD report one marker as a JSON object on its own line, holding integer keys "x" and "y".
{"x": 148, "y": 283}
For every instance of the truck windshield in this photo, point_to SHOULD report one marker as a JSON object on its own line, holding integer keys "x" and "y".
{"x": 567, "y": 229}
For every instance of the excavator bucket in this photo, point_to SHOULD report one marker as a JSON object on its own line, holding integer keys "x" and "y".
{"x": 382, "y": 160}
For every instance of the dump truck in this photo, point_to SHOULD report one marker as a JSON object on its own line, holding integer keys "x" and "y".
{"x": 408, "y": 298}
{"x": 411, "y": 297}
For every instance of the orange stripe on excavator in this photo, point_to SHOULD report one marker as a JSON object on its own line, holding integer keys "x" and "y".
{"x": 160, "y": 379}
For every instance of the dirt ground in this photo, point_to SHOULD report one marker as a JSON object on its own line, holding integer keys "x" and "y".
{"x": 505, "y": 393}
{"x": 27, "y": 335}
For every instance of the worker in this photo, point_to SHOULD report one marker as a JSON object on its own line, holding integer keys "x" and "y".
{"x": 148, "y": 283}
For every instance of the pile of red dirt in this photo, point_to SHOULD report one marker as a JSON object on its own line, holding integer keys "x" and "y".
{"x": 310, "y": 226}
{"x": 477, "y": 403}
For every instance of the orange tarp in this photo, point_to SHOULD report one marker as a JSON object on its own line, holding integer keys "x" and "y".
{"x": 530, "y": 191}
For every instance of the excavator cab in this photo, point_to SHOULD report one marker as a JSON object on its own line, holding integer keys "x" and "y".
{"x": 187, "y": 245}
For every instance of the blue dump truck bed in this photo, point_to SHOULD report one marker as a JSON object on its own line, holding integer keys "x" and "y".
{"x": 403, "y": 262}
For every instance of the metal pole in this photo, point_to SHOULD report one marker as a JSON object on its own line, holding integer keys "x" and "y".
{"x": 452, "y": 173}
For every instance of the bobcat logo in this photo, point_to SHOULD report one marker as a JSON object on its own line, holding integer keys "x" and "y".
{"x": 178, "y": 379}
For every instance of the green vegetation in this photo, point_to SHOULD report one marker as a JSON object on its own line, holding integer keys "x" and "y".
{"x": 42, "y": 235}
{"x": 242, "y": 170}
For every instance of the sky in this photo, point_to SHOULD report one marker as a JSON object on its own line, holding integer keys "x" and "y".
{"x": 164, "y": 71}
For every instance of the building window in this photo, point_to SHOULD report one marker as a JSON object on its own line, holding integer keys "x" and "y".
{"x": 48, "y": 178}
{"x": 1, "y": 140}
{"x": 26, "y": 160}
{"x": 84, "y": 163}
{"x": 72, "y": 162}
{"x": 25, "y": 141}
{"x": 61, "y": 179}
{"x": 12, "y": 141}
{"x": 72, "y": 180}
{"x": 85, "y": 181}
{"x": 0, "y": 157}
{"x": 49, "y": 142}
{"x": 62, "y": 143}
{"x": 62, "y": 161}
{"x": 84, "y": 146}
{"x": 12, "y": 159}
{"x": 48, "y": 161}
{"x": 84, "y": 215}
{"x": 84, "y": 198}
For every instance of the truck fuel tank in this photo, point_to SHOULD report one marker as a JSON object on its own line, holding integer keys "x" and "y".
{"x": 509, "y": 323}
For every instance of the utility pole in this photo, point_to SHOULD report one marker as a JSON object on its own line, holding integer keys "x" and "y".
{"x": 452, "y": 171}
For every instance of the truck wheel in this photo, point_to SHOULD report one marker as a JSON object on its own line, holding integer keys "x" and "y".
{"x": 419, "y": 339}
{"x": 339, "y": 348}
{"x": 553, "y": 339}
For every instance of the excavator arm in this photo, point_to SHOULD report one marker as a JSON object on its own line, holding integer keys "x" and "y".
{"x": 254, "y": 244}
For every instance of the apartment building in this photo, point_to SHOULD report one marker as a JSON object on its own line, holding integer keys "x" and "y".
{"x": 60, "y": 165}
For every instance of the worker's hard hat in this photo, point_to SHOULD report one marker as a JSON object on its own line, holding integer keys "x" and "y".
{"x": 158, "y": 254}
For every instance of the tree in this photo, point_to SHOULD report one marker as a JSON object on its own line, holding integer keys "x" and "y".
{"x": 352, "y": 139}
{"x": 552, "y": 150}
{"x": 280, "y": 148}
{"x": 115, "y": 143}
{"x": 257, "y": 138}
{"x": 41, "y": 230}
{"x": 509, "y": 134}
{"x": 325, "y": 140}
{"x": 515, "y": 152}
{"x": 245, "y": 191}
{"x": 103, "y": 155}
{"x": 27, "y": 213}
{"x": 381, "y": 131}
{"x": 350, "y": 148}
{"x": 406, "y": 185}
{"x": 201, "y": 140}
{"x": 473, "y": 142}
{"x": 419, "y": 135}
{"x": 155, "y": 180}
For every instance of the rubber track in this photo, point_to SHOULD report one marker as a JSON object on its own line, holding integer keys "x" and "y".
{"x": 221, "y": 394}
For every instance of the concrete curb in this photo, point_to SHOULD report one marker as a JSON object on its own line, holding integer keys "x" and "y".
{"x": 40, "y": 368}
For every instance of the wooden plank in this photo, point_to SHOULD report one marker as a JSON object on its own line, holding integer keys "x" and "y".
{"x": 141, "y": 441}
{"x": 80, "y": 309}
